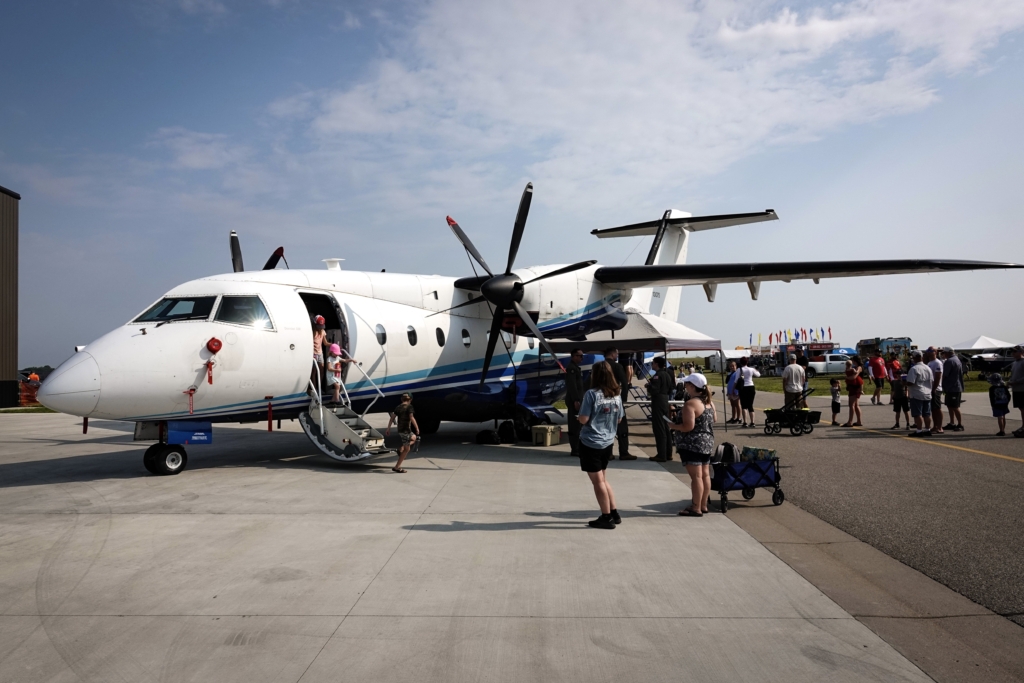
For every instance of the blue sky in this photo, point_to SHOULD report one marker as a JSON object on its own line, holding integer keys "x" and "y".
{"x": 140, "y": 134}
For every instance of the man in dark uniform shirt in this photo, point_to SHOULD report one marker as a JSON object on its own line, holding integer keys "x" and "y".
{"x": 660, "y": 389}
{"x": 622, "y": 376}
{"x": 574, "y": 391}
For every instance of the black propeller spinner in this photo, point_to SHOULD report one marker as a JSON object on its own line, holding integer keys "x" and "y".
{"x": 236, "y": 255}
{"x": 505, "y": 291}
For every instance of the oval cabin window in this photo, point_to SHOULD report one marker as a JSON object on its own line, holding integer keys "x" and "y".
{"x": 411, "y": 333}
{"x": 466, "y": 341}
{"x": 382, "y": 335}
{"x": 440, "y": 336}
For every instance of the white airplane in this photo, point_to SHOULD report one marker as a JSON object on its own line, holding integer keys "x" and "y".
{"x": 237, "y": 347}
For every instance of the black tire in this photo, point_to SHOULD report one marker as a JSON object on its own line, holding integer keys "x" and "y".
{"x": 778, "y": 497}
{"x": 796, "y": 430}
{"x": 808, "y": 428}
{"x": 811, "y": 372}
{"x": 748, "y": 493}
{"x": 768, "y": 430}
{"x": 147, "y": 457}
{"x": 507, "y": 432}
{"x": 724, "y": 502}
{"x": 169, "y": 460}
{"x": 428, "y": 425}
{"x": 777, "y": 428}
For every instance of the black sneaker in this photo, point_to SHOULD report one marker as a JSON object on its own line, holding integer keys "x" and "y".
{"x": 616, "y": 519}
{"x": 602, "y": 522}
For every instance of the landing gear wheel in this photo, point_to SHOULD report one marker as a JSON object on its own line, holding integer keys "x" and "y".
{"x": 778, "y": 497}
{"x": 808, "y": 428}
{"x": 149, "y": 455}
{"x": 507, "y": 432}
{"x": 748, "y": 493}
{"x": 428, "y": 425}
{"x": 166, "y": 460}
{"x": 796, "y": 430}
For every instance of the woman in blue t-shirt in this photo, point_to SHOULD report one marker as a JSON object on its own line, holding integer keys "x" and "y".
{"x": 599, "y": 416}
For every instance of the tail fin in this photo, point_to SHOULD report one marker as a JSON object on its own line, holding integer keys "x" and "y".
{"x": 671, "y": 242}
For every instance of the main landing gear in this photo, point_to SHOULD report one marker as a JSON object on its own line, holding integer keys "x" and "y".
{"x": 163, "y": 459}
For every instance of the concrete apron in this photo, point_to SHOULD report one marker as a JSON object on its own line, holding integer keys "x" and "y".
{"x": 263, "y": 562}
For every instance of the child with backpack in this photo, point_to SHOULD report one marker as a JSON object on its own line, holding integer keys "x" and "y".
{"x": 999, "y": 399}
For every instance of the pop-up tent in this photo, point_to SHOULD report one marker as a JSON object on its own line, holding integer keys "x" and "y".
{"x": 981, "y": 343}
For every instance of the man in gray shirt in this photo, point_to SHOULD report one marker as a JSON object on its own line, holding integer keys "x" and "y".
{"x": 1017, "y": 384}
{"x": 953, "y": 387}
{"x": 920, "y": 381}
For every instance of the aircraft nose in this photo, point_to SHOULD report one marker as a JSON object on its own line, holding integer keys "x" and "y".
{"x": 74, "y": 387}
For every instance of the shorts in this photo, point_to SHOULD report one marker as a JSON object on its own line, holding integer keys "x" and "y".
{"x": 920, "y": 407}
{"x": 406, "y": 438}
{"x": 332, "y": 380}
{"x": 792, "y": 397}
{"x": 319, "y": 358}
{"x": 747, "y": 397}
{"x": 900, "y": 403}
{"x": 936, "y": 401}
{"x": 594, "y": 459}
{"x": 854, "y": 393}
{"x": 691, "y": 458}
{"x": 1018, "y": 398}
{"x": 837, "y": 407}
{"x": 879, "y": 382}
{"x": 953, "y": 399}
{"x": 999, "y": 411}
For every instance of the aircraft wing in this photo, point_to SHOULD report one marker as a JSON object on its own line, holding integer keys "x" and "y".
{"x": 718, "y": 273}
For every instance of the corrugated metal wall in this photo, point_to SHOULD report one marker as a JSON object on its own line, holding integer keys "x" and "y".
{"x": 8, "y": 285}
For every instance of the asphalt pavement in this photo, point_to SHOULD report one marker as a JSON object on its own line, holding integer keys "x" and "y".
{"x": 950, "y": 506}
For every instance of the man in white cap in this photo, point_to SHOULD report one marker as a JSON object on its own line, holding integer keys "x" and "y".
{"x": 793, "y": 383}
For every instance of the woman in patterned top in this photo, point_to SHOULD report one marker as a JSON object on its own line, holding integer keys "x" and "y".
{"x": 695, "y": 441}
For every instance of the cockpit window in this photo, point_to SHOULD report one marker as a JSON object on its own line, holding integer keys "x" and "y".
{"x": 244, "y": 310}
{"x": 179, "y": 308}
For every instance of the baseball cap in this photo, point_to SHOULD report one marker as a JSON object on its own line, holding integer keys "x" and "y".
{"x": 319, "y": 320}
{"x": 696, "y": 379}
{"x": 995, "y": 378}
{"x": 335, "y": 349}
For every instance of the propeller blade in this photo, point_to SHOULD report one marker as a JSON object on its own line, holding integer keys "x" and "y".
{"x": 468, "y": 244}
{"x": 517, "y": 230}
{"x": 562, "y": 271}
{"x": 275, "y": 258}
{"x": 536, "y": 331}
{"x": 236, "y": 252}
{"x": 492, "y": 340}
{"x": 474, "y": 300}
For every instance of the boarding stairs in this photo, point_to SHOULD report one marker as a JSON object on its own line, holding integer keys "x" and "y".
{"x": 338, "y": 431}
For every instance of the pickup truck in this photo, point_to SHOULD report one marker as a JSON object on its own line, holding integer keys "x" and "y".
{"x": 833, "y": 364}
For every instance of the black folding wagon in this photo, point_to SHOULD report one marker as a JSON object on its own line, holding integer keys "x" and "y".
{"x": 798, "y": 420}
{"x": 747, "y": 477}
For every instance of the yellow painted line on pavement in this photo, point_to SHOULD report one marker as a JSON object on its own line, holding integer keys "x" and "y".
{"x": 930, "y": 440}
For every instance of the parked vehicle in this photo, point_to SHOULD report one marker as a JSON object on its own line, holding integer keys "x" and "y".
{"x": 830, "y": 364}
{"x": 901, "y": 346}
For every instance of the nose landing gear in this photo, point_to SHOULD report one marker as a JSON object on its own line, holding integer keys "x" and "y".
{"x": 164, "y": 459}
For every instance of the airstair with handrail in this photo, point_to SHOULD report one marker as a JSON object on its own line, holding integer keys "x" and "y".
{"x": 338, "y": 431}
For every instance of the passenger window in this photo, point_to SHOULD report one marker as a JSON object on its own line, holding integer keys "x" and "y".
{"x": 244, "y": 310}
{"x": 382, "y": 335}
{"x": 466, "y": 341}
{"x": 411, "y": 333}
{"x": 440, "y": 336}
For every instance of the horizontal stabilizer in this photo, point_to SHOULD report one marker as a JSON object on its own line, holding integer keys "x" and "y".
{"x": 690, "y": 223}
{"x": 714, "y": 273}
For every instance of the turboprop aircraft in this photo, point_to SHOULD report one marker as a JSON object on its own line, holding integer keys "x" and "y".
{"x": 238, "y": 347}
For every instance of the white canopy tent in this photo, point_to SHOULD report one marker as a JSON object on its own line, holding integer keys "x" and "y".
{"x": 644, "y": 332}
{"x": 981, "y": 343}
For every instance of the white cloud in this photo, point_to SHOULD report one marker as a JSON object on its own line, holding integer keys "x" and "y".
{"x": 606, "y": 104}
{"x": 192, "y": 150}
